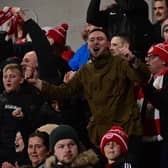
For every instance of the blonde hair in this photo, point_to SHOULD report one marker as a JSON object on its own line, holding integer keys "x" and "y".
{"x": 13, "y": 66}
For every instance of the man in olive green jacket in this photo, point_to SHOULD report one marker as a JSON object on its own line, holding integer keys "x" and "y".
{"x": 108, "y": 85}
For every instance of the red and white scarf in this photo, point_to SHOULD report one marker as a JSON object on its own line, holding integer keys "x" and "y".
{"x": 5, "y": 15}
{"x": 9, "y": 20}
{"x": 151, "y": 123}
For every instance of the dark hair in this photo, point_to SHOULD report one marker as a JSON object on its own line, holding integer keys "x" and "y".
{"x": 101, "y": 30}
{"x": 43, "y": 135}
{"x": 125, "y": 38}
{"x": 166, "y": 1}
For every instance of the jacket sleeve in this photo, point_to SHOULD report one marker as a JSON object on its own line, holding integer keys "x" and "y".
{"x": 74, "y": 61}
{"x": 138, "y": 73}
{"x": 94, "y": 15}
{"x": 20, "y": 50}
{"x": 50, "y": 65}
{"x": 39, "y": 40}
{"x": 80, "y": 57}
{"x": 3, "y": 101}
{"x": 41, "y": 46}
{"x": 74, "y": 86}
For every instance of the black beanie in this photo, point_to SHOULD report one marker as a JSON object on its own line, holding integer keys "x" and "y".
{"x": 62, "y": 132}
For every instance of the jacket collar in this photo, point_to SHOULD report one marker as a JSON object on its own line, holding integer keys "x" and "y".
{"x": 102, "y": 60}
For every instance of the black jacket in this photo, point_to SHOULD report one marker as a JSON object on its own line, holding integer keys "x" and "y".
{"x": 125, "y": 161}
{"x": 30, "y": 103}
{"x": 159, "y": 100}
{"x": 157, "y": 32}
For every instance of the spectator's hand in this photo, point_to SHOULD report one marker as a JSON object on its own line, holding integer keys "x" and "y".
{"x": 68, "y": 76}
{"x": 30, "y": 72}
{"x": 126, "y": 53}
{"x": 9, "y": 165}
{"x": 21, "y": 13}
{"x": 18, "y": 113}
{"x": 110, "y": 5}
{"x": 36, "y": 82}
{"x": 14, "y": 10}
{"x": 31, "y": 76}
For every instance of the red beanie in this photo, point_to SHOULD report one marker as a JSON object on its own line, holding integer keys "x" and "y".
{"x": 58, "y": 34}
{"x": 161, "y": 50}
{"x": 115, "y": 134}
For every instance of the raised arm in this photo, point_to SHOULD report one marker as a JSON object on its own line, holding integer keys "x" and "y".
{"x": 95, "y": 16}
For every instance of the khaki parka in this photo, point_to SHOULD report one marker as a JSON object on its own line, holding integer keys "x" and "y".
{"x": 108, "y": 84}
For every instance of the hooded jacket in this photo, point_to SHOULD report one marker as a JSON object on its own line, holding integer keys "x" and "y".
{"x": 85, "y": 159}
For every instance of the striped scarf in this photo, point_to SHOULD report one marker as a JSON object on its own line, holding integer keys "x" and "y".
{"x": 5, "y": 15}
{"x": 151, "y": 117}
{"x": 8, "y": 20}
{"x": 124, "y": 165}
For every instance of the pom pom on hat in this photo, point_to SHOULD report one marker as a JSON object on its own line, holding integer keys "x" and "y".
{"x": 115, "y": 134}
{"x": 58, "y": 34}
{"x": 161, "y": 50}
{"x": 163, "y": 26}
{"x": 62, "y": 132}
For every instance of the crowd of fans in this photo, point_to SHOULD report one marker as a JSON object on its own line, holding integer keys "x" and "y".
{"x": 103, "y": 105}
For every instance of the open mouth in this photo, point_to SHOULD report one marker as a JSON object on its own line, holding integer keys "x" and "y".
{"x": 96, "y": 49}
{"x": 8, "y": 85}
{"x": 17, "y": 146}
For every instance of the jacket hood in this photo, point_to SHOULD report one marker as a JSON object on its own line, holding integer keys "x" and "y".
{"x": 84, "y": 159}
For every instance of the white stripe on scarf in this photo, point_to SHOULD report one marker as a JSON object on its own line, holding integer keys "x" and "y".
{"x": 158, "y": 83}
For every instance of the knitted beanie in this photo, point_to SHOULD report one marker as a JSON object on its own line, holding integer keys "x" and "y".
{"x": 58, "y": 34}
{"x": 161, "y": 50}
{"x": 163, "y": 26}
{"x": 62, "y": 132}
{"x": 115, "y": 134}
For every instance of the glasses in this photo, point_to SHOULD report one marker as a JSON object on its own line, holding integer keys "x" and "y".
{"x": 151, "y": 56}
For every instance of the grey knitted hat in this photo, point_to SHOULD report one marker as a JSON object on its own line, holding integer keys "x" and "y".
{"x": 62, "y": 132}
